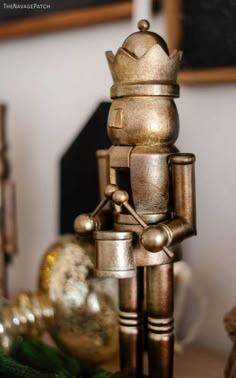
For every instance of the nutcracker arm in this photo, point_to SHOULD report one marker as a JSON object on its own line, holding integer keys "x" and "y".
{"x": 85, "y": 224}
{"x": 183, "y": 224}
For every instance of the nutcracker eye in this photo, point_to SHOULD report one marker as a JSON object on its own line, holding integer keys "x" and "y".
{"x": 116, "y": 119}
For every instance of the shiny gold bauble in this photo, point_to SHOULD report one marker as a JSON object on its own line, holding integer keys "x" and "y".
{"x": 85, "y": 321}
{"x": 78, "y": 310}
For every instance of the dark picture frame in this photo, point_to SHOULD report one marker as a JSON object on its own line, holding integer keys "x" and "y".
{"x": 212, "y": 72}
{"x": 63, "y": 14}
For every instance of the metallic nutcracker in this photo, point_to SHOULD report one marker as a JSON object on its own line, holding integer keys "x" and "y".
{"x": 151, "y": 190}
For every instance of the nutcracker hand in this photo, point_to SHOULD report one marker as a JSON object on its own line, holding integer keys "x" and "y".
{"x": 155, "y": 238}
{"x": 85, "y": 224}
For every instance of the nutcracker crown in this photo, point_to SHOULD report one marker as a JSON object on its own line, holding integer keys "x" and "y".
{"x": 143, "y": 66}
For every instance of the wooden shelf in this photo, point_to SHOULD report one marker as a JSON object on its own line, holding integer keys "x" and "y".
{"x": 192, "y": 363}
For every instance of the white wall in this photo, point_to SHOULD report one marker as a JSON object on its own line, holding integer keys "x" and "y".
{"x": 52, "y": 83}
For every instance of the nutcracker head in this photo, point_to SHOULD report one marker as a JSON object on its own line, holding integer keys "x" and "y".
{"x": 144, "y": 75}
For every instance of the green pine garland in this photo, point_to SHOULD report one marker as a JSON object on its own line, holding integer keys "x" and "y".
{"x": 33, "y": 359}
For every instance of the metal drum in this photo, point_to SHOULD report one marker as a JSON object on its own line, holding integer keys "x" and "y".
{"x": 114, "y": 254}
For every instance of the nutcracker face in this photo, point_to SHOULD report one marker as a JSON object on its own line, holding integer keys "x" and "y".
{"x": 143, "y": 121}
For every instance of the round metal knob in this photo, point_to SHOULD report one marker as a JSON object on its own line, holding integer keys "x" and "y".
{"x": 143, "y": 25}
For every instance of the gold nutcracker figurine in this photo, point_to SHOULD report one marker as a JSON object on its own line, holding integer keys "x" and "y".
{"x": 151, "y": 189}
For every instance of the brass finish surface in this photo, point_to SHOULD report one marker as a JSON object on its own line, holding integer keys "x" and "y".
{"x": 152, "y": 193}
{"x": 126, "y": 90}
{"x": 114, "y": 254}
{"x": 153, "y": 64}
{"x": 144, "y": 121}
{"x": 131, "y": 324}
{"x": 119, "y": 156}
{"x": 160, "y": 320}
{"x": 101, "y": 163}
{"x": 152, "y": 172}
{"x": 147, "y": 218}
{"x": 8, "y": 236}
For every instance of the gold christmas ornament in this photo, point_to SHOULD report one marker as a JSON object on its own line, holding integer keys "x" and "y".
{"x": 78, "y": 310}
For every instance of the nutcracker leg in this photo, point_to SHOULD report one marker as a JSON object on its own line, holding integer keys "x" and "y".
{"x": 131, "y": 325}
{"x": 160, "y": 320}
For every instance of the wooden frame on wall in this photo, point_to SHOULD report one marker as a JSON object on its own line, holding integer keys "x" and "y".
{"x": 174, "y": 22}
{"x": 66, "y": 18}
